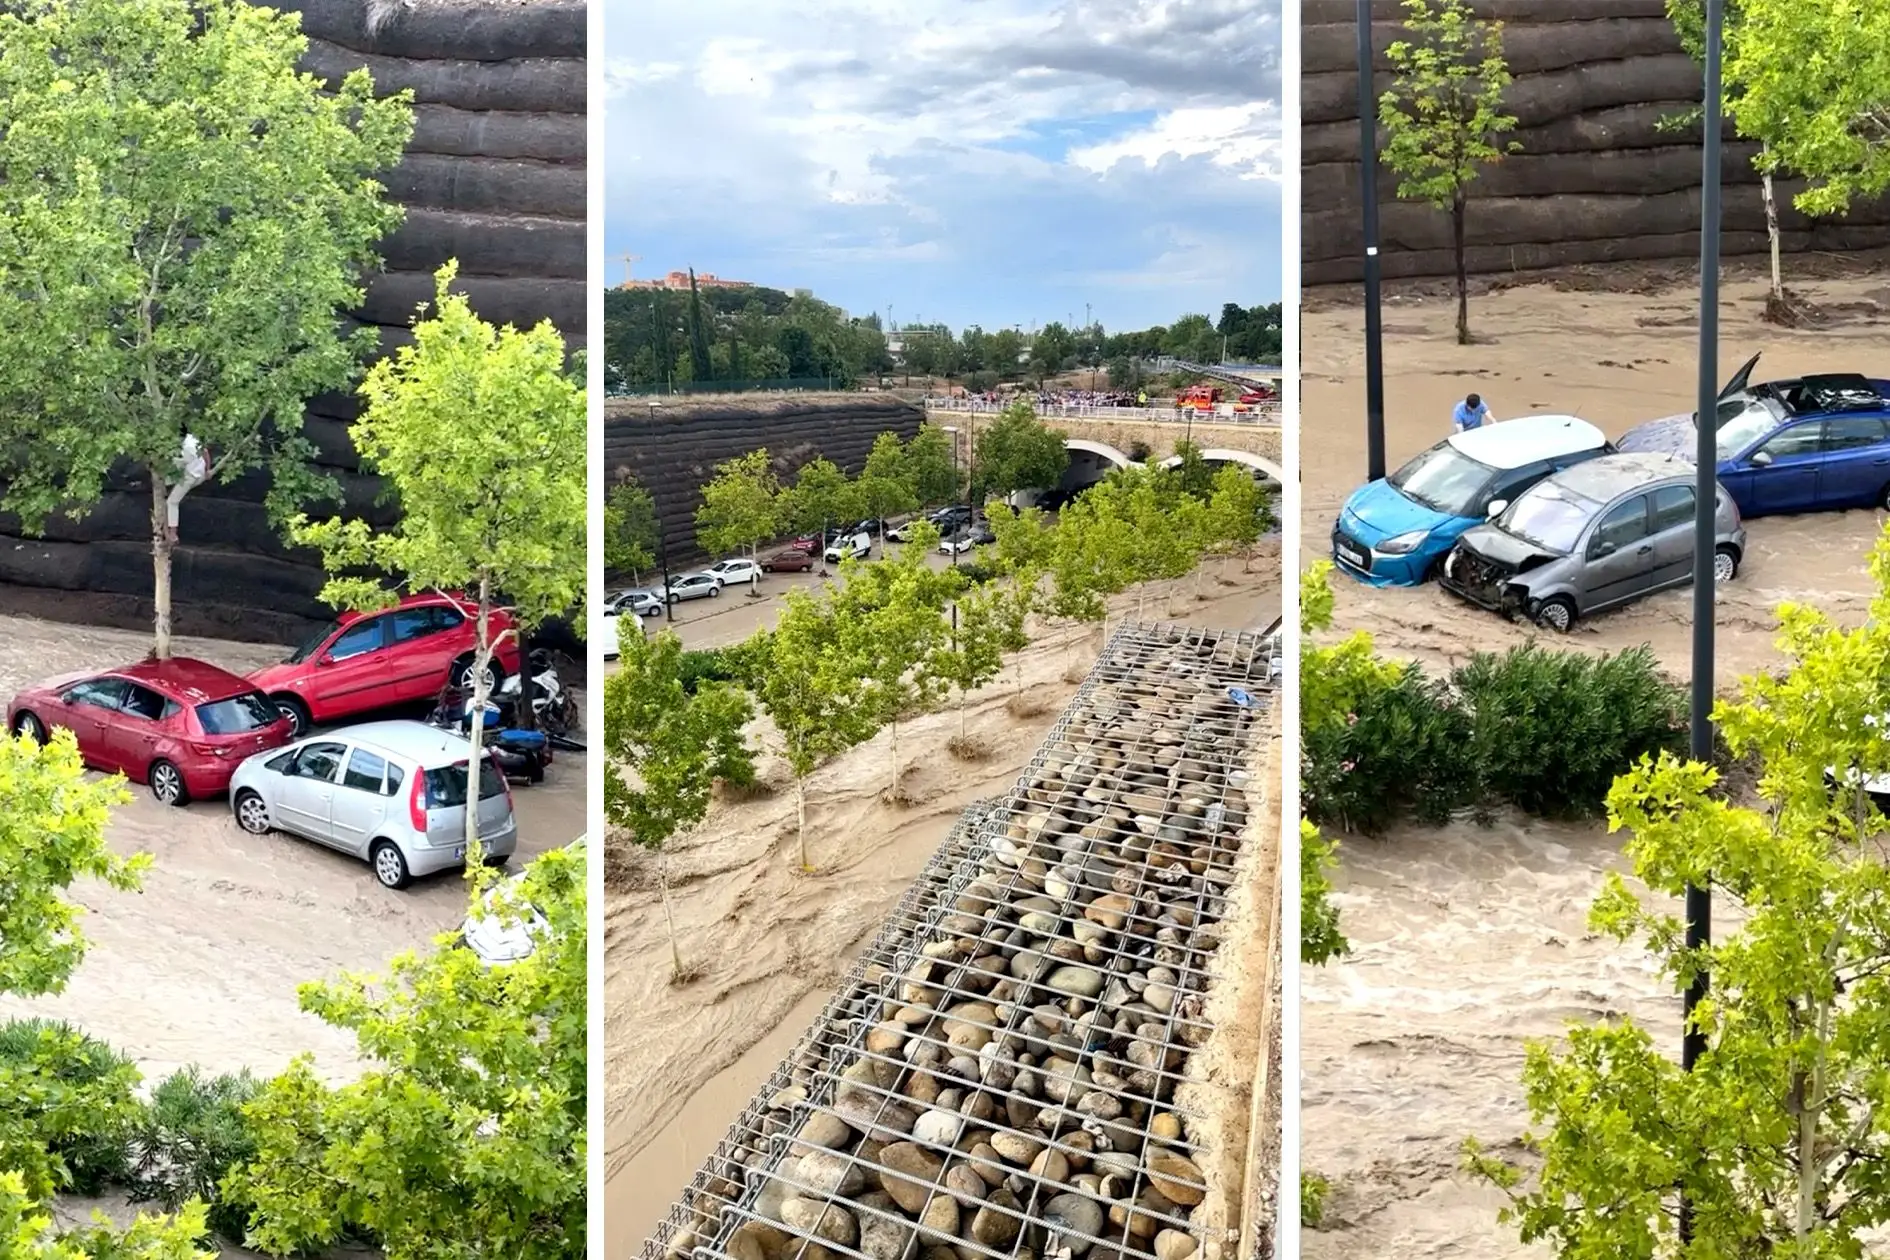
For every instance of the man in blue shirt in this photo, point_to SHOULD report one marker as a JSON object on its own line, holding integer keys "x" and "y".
{"x": 1471, "y": 413}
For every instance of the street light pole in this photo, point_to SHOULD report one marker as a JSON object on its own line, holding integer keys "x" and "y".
{"x": 662, "y": 541}
{"x": 1699, "y": 901}
{"x": 1368, "y": 206}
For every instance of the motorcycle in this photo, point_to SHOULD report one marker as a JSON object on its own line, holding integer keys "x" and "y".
{"x": 554, "y": 708}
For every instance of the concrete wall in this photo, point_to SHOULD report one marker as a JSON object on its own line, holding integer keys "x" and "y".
{"x": 494, "y": 176}
{"x": 1598, "y": 178}
{"x": 673, "y": 449}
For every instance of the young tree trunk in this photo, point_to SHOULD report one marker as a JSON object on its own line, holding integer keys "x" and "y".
{"x": 481, "y": 692}
{"x": 963, "y": 697}
{"x": 1775, "y": 303}
{"x": 669, "y": 917}
{"x": 895, "y": 755}
{"x": 800, "y": 817}
{"x": 1463, "y": 279}
{"x": 161, "y": 550}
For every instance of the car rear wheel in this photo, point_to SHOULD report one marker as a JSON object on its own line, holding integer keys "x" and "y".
{"x": 297, "y": 714}
{"x": 390, "y": 864}
{"x": 715, "y": 592}
{"x": 463, "y": 674}
{"x": 1725, "y": 564}
{"x": 1557, "y": 614}
{"x": 167, "y": 784}
{"x": 251, "y": 814}
{"x": 28, "y": 726}
{"x": 1883, "y": 500}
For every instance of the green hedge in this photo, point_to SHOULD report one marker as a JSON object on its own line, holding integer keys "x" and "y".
{"x": 1544, "y": 731}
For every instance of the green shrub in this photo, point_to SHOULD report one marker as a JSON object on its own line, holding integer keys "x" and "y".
{"x": 710, "y": 665}
{"x": 187, "y": 1138}
{"x": 65, "y": 1103}
{"x": 1553, "y": 729}
{"x": 1404, "y": 749}
{"x": 977, "y": 572}
{"x": 1313, "y": 1191}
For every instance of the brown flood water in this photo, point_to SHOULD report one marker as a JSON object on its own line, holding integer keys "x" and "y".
{"x": 1468, "y": 941}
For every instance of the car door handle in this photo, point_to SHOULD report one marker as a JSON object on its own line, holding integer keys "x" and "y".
{"x": 1880, "y": 462}
{"x": 1645, "y": 549}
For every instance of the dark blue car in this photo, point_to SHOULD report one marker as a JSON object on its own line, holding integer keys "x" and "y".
{"x": 1810, "y": 444}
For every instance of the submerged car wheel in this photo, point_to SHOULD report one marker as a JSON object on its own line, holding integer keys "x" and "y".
{"x": 1725, "y": 564}
{"x": 251, "y": 814}
{"x": 390, "y": 864}
{"x": 28, "y": 726}
{"x": 1556, "y": 614}
{"x": 167, "y": 784}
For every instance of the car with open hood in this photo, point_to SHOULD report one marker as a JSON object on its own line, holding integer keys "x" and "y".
{"x": 1805, "y": 444}
{"x": 1397, "y": 530}
{"x": 1593, "y": 537}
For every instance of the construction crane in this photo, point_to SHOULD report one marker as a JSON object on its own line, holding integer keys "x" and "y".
{"x": 628, "y": 259}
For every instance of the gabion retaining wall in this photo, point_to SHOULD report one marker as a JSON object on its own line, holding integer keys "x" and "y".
{"x": 995, "y": 1080}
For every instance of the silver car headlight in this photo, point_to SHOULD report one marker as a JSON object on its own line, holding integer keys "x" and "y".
{"x": 1403, "y": 544}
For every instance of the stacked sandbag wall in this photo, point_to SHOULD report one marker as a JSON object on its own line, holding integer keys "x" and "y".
{"x": 672, "y": 449}
{"x": 1602, "y": 174}
{"x": 494, "y": 176}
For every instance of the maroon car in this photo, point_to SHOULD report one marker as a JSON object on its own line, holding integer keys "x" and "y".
{"x": 788, "y": 560}
{"x": 180, "y": 725}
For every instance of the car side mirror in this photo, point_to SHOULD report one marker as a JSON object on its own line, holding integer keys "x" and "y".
{"x": 1761, "y": 459}
{"x": 1498, "y": 507}
{"x": 325, "y": 660}
{"x": 1605, "y": 549}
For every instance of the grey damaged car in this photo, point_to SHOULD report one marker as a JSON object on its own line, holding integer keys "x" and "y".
{"x": 1593, "y": 537}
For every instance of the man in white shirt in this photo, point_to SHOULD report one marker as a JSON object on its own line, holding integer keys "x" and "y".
{"x": 193, "y": 467}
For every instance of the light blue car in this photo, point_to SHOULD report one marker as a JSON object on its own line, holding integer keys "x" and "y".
{"x": 1397, "y": 531}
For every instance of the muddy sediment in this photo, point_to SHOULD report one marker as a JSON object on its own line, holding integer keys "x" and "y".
{"x": 999, "y": 1076}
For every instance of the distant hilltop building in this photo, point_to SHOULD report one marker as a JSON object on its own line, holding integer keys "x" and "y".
{"x": 680, "y": 280}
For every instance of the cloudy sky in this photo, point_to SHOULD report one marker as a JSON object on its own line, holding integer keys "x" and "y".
{"x": 967, "y": 161}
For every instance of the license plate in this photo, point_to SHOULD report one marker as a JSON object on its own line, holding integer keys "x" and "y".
{"x": 1352, "y": 555}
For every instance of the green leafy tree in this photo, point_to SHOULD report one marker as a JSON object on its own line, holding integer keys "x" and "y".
{"x": 27, "y": 1233}
{"x": 892, "y": 613}
{"x": 886, "y": 482}
{"x": 1193, "y": 475}
{"x": 816, "y": 690}
{"x": 466, "y": 1135}
{"x": 1320, "y": 939}
{"x": 971, "y": 654}
{"x": 1052, "y": 347}
{"x": 931, "y": 469}
{"x": 666, "y": 745}
{"x": 1777, "y": 1135}
{"x": 1024, "y": 539}
{"x": 1812, "y": 84}
{"x": 822, "y": 496}
{"x": 1239, "y": 510}
{"x": 182, "y": 216}
{"x": 52, "y": 829}
{"x": 1018, "y": 451}
{"x": 1092, "y": 556}
{"x": 473, "y": 430}
{"x": 630, "y": 529}
{"x": 740, "y": 506}
{"x": 1443, "y": 116}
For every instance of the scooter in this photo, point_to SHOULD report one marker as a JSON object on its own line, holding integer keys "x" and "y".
{"x": 519, "y": 754}
{"x": 554, "y": 708}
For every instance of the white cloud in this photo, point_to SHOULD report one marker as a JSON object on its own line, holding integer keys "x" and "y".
{"x": 864, "y": 144}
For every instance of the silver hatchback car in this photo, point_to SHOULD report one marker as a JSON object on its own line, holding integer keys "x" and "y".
{"x": 391, "y": 793}
{"x": 1591, "y": 537}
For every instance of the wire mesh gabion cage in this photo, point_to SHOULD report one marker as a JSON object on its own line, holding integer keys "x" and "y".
{"x": 996, "y": 1079}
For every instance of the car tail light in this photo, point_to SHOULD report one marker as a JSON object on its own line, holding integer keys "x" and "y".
{"x": 417, "y": 802}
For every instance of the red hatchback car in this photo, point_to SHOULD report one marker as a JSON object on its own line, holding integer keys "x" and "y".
{"x": 366, "y": 661}
{"x": 180, "y": 725}
{"x": 789, "y": 560}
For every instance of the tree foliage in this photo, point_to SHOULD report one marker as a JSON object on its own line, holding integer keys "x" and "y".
{"x": 935, "y": 476}
{"x": 1320, "y": 938}
{"x": 474, "y": 429}
{"x": 1018, "y": 451}
{"x": 887, "y": 483}
{"x": 630, "y": 528}
{"x": 467, "y": 1136}
{"x": 822, "y": 495}
{"x": 27, "y": 1233}
{"x": 52, "y": 830}
{"x": 740, "y": 506}
{"x": 1443, "y": 116}
{"x": 1811, "y": 82}
{"x": 665, "y": 745}
{"x": 1777, "y": 1135}
{"x": 182, "y": 216}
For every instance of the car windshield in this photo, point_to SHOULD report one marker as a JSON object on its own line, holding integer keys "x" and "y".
{"x": 1443, "y": 479}
{"x": 1548, "y": 516}
{"x": 446, "y": 787}
{"x": 1743, "y": 420}
{"x": 312, "y": 644}
{"x": 239, "y": 715}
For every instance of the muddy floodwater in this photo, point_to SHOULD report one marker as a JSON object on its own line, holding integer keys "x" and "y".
{"x": 201, "y": 966}
{"x": 1468, "y": 941}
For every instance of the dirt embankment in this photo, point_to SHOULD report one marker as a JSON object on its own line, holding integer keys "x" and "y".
{"x": 768, "y": 943}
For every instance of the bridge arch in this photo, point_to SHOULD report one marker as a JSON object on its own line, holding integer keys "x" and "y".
{"x": 1090, "y": 462}
{"x": 1265, "y": 467}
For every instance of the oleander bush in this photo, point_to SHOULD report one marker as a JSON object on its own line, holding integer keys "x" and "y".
{"x": 66, "y": 1101}
{"x": 187, "y": 1138}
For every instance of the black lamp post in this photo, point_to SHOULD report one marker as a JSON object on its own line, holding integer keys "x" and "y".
{"x": 1699, "y": 906}
{"x": 1368, "y": 207}
{"x": 662, "y": 543}
{"x": 954, "y": 432}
